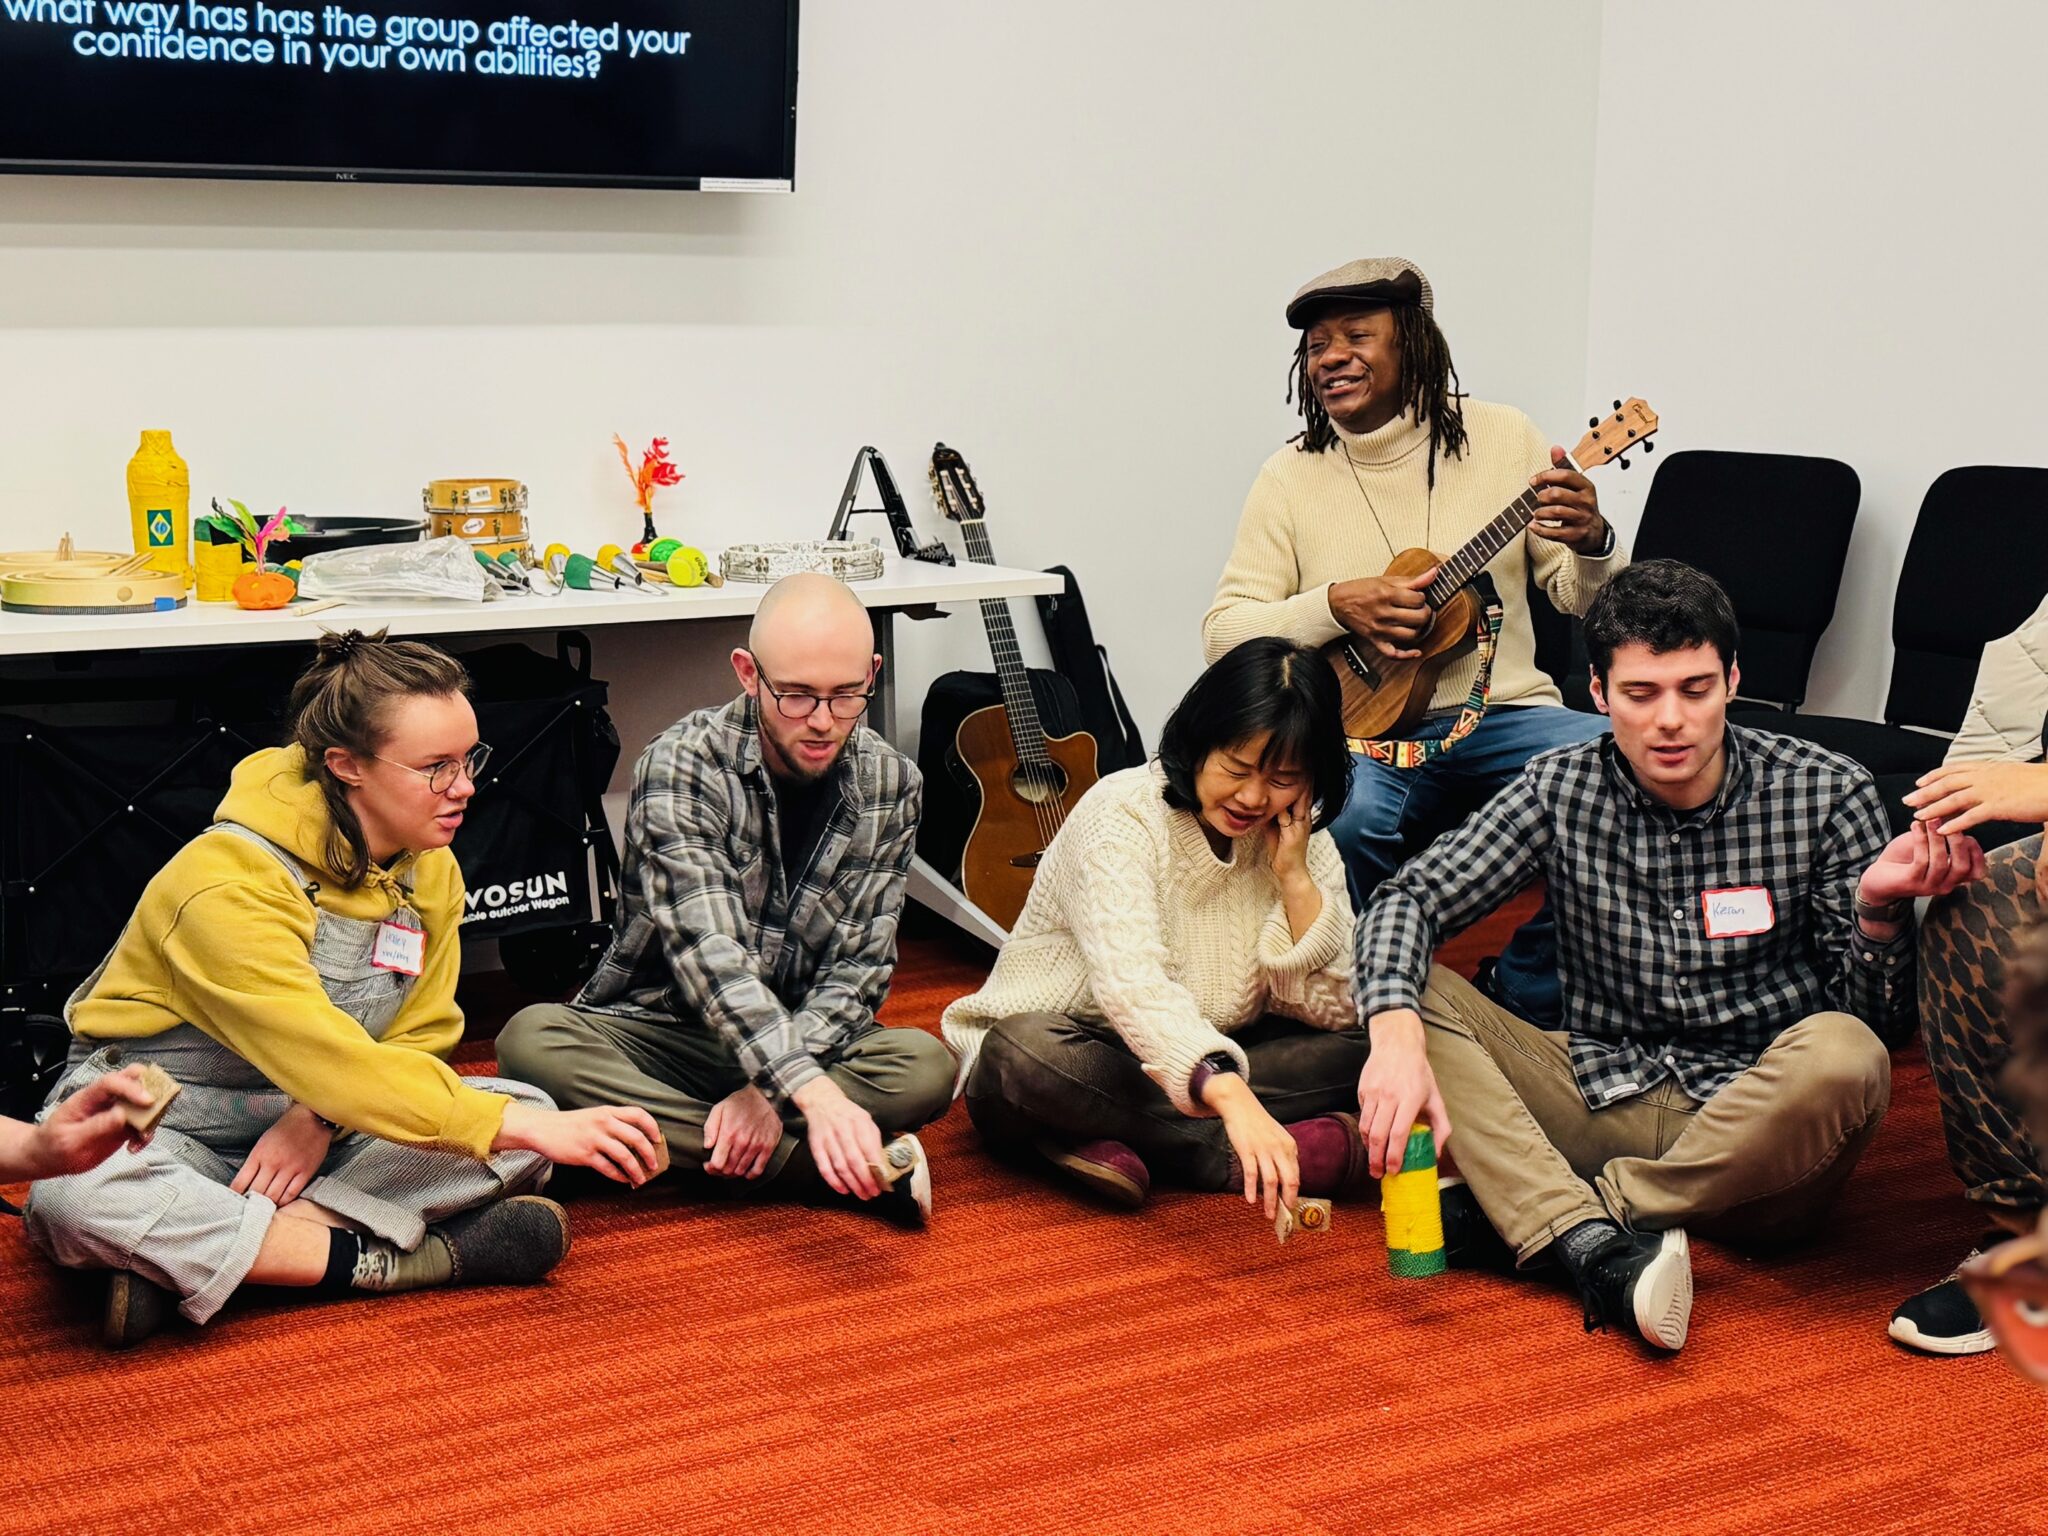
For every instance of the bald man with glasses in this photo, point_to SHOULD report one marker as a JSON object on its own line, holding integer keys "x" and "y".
{"x": 766, "y": 851}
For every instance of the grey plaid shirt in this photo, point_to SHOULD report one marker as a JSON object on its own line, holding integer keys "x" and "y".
{"x": 1646, "y": 992}
{"x": 709, "y": 932}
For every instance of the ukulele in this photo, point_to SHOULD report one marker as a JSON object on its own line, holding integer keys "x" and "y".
{"x": 1029, "y": 781}
{"x": 1385, "y": 695}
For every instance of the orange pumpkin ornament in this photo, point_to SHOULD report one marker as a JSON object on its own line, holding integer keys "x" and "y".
{"x": 263, "y": 589}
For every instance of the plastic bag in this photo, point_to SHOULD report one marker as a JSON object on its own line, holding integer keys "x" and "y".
{"x": 444, "y": 567}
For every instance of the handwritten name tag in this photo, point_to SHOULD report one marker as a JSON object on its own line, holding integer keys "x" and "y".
{"x": 399, "y": 948}
{"x": 1738, "y": 911}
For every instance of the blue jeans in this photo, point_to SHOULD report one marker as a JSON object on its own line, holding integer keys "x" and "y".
{"x": 1392, "y": 813}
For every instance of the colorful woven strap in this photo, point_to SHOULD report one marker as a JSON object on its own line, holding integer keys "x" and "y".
{"x": 1413, "y": 754}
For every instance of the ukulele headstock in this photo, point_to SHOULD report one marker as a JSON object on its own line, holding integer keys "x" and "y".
{"x": 953, "y": 489}
{"x": 1631, "y": 425}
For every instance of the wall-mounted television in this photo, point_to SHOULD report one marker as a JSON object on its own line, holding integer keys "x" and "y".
{"x": 689, "y": 94}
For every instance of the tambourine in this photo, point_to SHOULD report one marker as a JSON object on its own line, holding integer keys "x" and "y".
{"x": 842, "y": 558}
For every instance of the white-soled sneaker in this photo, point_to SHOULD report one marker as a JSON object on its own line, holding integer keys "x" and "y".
{"x": 908, "y": 1202}
{"x": 1942, "y": 1320}
{"x": 1643, "y": 1283}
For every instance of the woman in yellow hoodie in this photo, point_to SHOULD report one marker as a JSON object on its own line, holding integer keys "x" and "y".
{"x": 294, "y": 967}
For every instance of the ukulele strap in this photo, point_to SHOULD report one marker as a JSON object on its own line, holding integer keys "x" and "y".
{"x": 1486, "y": 630}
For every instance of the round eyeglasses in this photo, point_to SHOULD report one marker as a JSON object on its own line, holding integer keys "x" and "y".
{"x": 801, "y": 706}
{"x": 442, "y": 776}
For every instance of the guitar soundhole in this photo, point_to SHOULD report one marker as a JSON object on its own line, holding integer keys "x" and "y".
{"x": 1039, "y": 783}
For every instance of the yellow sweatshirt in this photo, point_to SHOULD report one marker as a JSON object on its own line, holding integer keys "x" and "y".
{"x": 222, "y": 939}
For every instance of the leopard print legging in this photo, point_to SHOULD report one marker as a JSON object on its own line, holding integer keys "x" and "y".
{"x": 1965, "y": 944}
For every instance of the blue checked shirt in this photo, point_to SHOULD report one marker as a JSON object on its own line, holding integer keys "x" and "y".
{"x": 1646, "y": 991}
{"x": 710, "y": 932}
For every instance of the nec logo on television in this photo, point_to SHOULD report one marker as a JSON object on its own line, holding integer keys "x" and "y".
{"x": 346, "y": 176}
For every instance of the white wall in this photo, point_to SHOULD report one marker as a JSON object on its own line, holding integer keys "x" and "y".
{"x": 1058, "y": 236}
{"x": 1818, "y": 229}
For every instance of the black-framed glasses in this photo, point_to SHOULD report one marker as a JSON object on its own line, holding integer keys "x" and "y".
{"x": 799, "y": 704}
{"x": 442, "y": 776}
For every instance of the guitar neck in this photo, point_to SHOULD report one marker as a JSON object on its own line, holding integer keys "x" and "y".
{"x": 1027, "y": 732}
{"x": 1473, "y": 556}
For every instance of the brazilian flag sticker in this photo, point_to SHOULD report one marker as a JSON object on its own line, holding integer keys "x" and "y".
{"x": 160, "y": 530}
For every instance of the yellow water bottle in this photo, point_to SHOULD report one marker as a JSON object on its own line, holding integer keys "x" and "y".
{"x": 1414, "y": 1210}
{"x": 160, "y": 506}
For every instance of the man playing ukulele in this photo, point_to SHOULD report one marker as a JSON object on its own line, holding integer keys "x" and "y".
{"x": 1392, "y": 458}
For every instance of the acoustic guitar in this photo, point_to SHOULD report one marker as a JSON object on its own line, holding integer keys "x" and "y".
{"x": 1029, "y": 781}
{"x": 1385, "y": 695}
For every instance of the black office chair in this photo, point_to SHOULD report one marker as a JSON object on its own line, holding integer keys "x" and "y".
{"x": 1772, "y": 528}
{"x": 1975, "y": 568}
{"x": 1560, "y": 648}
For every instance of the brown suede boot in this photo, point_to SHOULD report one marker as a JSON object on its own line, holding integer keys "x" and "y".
{"x": 1106, "y": 1168}
{"x": 135, "y": 1309}
{"x": 1332, "y": 1153}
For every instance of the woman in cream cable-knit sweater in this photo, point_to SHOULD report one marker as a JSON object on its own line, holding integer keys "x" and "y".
{"x": 1178, "y": 985}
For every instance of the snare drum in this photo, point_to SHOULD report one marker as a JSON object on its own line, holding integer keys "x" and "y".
{"x": 487, "y": 515}
{"x": 474, "y": 496}
{"x": 500, "y": 526}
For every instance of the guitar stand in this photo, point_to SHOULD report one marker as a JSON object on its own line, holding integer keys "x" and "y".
{"x": 925, "y": 885}
{"x": 892, "y": 507}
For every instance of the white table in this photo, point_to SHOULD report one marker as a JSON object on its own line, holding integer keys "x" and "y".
{"x": 903, "y": 584}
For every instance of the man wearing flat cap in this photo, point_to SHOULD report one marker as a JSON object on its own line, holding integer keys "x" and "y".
{"x": 1392, "y": 457}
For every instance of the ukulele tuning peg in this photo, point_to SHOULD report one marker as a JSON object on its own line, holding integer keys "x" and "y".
{"x": 1617, "y": 405}
{"x": 1623, "y": 462}
{"x": 1593, "y": 422}
{"x": 1649, "y": 447}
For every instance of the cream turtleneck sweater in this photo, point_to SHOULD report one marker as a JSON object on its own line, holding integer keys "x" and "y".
{"x": 1134, "y": 920}
{"x": 1316, "y": 518}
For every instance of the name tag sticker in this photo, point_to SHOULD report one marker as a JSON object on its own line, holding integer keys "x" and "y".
{"x": 1738, "y": 911}
{"x": 399, "y": 948}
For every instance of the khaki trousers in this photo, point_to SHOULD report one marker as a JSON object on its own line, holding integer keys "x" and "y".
{"x": 1756, "y": 1163}
{"x": 678, "y": 1072}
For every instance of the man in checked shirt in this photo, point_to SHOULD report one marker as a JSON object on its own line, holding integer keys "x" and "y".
{"x": 767, "y": 846}
{"x": 1735, "y": 941}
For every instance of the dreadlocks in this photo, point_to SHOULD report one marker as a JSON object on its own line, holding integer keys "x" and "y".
{"x": 1429, "y": 388}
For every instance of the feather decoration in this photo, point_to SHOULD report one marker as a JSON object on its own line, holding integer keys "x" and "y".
{"x": 241, "y": 525}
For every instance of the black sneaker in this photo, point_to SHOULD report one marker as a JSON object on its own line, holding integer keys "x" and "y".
{"x": 1942, "y": 1320}
{"x": 1643, "y": 1283}
{"x": 135, "y": 1309}
{"x": 1486, "y": 979}
{"x": 1470, "y": 1241}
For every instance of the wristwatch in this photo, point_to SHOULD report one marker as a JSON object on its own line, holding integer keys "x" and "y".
{"x": 1890, "y": 912}
{"x": 1211, "y": 1065}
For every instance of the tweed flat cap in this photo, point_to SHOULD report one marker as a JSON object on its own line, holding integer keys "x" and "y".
{"x": 1369, "y": 280}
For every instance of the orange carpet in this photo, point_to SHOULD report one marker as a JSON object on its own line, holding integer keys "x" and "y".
{"x": 1034, "y": 1364}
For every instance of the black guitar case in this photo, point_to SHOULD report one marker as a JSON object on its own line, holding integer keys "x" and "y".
{"x": 1078, "y": 658}
{"x": 952, "y": 799}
